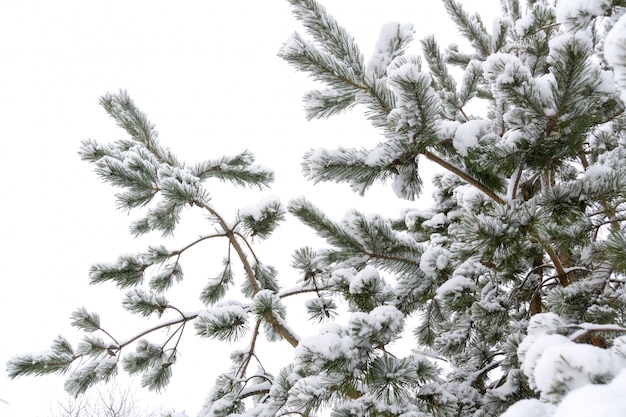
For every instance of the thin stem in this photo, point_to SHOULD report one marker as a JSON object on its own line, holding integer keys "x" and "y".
{"x": 183, "y": 319}
{"x": 195, "y": 242}
{"x": 109, "y": 334}
{"x": 256, "y": 259}
{"x": 244, "y": 366}
{"x": 303, "y": 291}
{"x": 460, "y": 109}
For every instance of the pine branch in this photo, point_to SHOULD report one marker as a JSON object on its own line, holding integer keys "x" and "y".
{"x": 58, "y": 360}
{"x": 241, "y": 372}
{"x": 238, "y": 169}
{"x": 470, "y": 26}
{"x": 322, "y": 66}
{"x": 464, "y": 176}
{"x": 279, "y": 326}
{"x": 181, "y": 320}
{"x": 326, "y": 31}
{"x": 301, "y": 290}
{"x": 446, "y": 85}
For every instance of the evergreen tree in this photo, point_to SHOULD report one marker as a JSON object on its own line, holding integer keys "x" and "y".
{"x": 516, "y": 272}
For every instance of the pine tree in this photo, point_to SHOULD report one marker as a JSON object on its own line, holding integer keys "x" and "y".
{"x": 516, "y": 272}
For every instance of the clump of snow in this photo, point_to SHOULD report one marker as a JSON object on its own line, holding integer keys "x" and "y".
{"x": 414, "y": 106}
{"x": 596, "y": 400}
{"x": 231, "y": 308}
{"x": 529, "y": 408}
{"x": 511, "y": 138}
{"x": 387, "y": 316}
{"x": 531, "y": 349}
{"x": 182, "y": 175}
{"x": 330, "y": 344}
{"x": 558, "y": 368}
{"x": 574, "y": 14}
{"x": 409, "y": 71}
{"x": 578, "y": 42}
{"x": 562, "y": 368}
{"x": 382, "y": 324}
{"x": 447, "y": 128}
{"x": 382, "y": 155}
{"x": 342, "y": 276}
{"x": 607, "y": 82}
{"x": 455, "y": 286}
{"x": 503, "y": 68}
{"x": 468, "y": 134}
{"x": 407, "y": 182}
{"x": 433, "y": 260}
{"x": 438, "y": 219}
{"x": 412, "y": 217}
{"x": 308, "y": 389}
{"x": 545, "y": 323}
{"x": 469, "y": 197}
{"x": 391, "y": 34}
{"x": 522, "y": 25}
{"x": 256, "y": 210}
{"x": 596, "y": 171}
{"x": 615, "y": 53}
{"x": 545, "y": 85}
{"x": 364, "y": 279}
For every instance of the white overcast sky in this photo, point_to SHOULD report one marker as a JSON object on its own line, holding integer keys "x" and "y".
{"x": 207, "y": 74}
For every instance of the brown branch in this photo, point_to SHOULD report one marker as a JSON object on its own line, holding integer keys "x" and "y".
{"x": 244, "y": 366}
{"x": 302, "y": 291}
{"x": 284, "y": 331}
{"x": 518, "y": 176}
{"x": 589, "y": 329}
{"x": 230, "y": 234}
{"x": 464, "y": 176}
{"x": 560, "y": 271}
{"x": 278, "y": 325}
{"x": 563, "y": 279}
{"x": 256, "y": 259}
{"x": 260, "y": 389}
{"x": 195, "y": 242}
{"x": 181, "y": 320}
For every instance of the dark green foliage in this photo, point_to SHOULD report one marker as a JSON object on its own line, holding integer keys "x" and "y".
{"x": 216, "y": 287}
{"x": 145, "y": 303}
{"x": 128, "y": 271}
{"x": 223, "y": 322}
{"x": 264, "y": 220}
{"x": 321, "y": 309}
{"x": 57, "y": 361}
{"x": 85, "y": 321}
